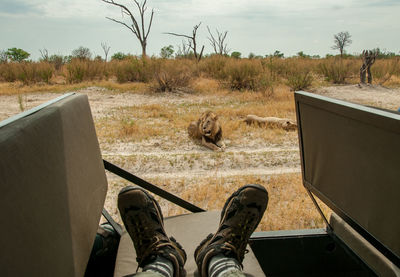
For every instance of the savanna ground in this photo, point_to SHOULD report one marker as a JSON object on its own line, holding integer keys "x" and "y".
{"x": 145, "y": 133}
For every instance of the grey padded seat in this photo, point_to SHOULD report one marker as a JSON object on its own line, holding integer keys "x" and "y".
{"x": 53, "y": 188}
{"x": 189, "y": 230}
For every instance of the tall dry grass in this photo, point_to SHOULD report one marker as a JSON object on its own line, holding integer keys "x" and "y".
{"x": 83, "y": 70}
{"x": 172, "y": 75}
{"x": 261, "y": 75}
{"x": 384, "y": 70}
{"x": 133, "y": 69}
{"x": 337, "y": 70}
{"x": 26, "y": 72}
{"x": 289, "y": 206}
{"x": 168, "y": 120}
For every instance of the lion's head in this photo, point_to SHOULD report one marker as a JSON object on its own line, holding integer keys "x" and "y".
{"x": 209, "y": 126}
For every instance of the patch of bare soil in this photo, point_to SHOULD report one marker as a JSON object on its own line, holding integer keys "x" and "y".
{"x": 372, "y": 95}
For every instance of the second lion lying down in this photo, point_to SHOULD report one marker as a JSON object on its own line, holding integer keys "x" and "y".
{"x": 208, "y": 130}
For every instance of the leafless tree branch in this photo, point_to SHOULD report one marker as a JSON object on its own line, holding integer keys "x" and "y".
{"x": 44, "y": 53}
{"x": 179, "y": 35}
{"x": 139, "y": 31}
{"x": 106, "y": 49}
{"x": 219, "y": 44}
{"x": 192, "y": 43}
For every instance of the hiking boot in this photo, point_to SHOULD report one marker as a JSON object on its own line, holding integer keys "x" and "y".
{"x": 240, "y": 216}
{"x": 143, "y": 221}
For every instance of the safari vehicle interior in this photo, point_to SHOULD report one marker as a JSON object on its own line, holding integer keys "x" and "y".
{"x": 54, "y": 185}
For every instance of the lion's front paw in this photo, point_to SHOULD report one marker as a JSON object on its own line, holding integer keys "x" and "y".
{"x": 221, "y": 148}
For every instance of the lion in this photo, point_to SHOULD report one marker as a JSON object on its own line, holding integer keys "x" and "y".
{"x": 208, "y": 130}
{"x": 284, "y": 123}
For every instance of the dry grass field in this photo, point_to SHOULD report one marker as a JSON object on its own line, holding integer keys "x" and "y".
{"x": 144, "y": 131}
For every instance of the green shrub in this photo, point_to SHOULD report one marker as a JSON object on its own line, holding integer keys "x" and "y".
{"x": 167, "y": 52}
{"x": 76, "y": 71}
{"x": 336, "y": 70}
{"x": 298, "y": 73}
{"x": 17, "y": 54}
{"x": 134, "y": 69}
{"x": 244, "y": 74}
{"x": 236, "y": 55}
{"x": 119, "y": 56}
{"x": 299, "y": 80}
{"x": 44, "y": 72}
{"x": 79, "y": 70}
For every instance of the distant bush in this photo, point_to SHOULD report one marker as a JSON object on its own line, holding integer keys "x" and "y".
{"x": 236, "y": 55}
{"x": 119, "y": 56}
{"x": 45, "y": 71}
{"x": 336, "y": 70}
{"x": 213, "y": 67}
{"x": 81, "y": 70}
{"x": 172, "y": 76}
{"x": 278, "y": 68}
{"x": 76, "y": 71}
{"x": 58, "y": 61}
{"x": 298, "y": 73}
{"x": 167, "y": 52}
{"x": 82, "y": 53}
{"x": 299, "y": 80}
{"x": 246, "y": 74}
{"x": 134, "y": 69}
{"x": 251, "y": 55}
{"x": 277, "y": 54}
{"x": 17, "y": 54}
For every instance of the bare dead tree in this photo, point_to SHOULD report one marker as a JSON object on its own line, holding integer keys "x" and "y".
{"x": 368, "y": 58}
{"x": 139, "y": 30}
{"x": 192, "y": 43}
{"x": 218, "y": 43}
{"x": 44, "y": 53}
{"x": 106, "y": 49}
{"x": 341, "y": 40}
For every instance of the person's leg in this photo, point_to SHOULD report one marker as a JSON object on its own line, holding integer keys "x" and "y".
{"x": 221, "y": 265}
{"x": 143, "y": 220}
{"x": 221, "y": 254}
{"x": 146, "y": 274}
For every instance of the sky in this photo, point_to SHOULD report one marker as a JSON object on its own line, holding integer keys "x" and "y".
{"x": 254, "y": 26}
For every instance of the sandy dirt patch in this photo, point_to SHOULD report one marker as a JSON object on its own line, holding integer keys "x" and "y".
{"x": 373, "y": 95}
